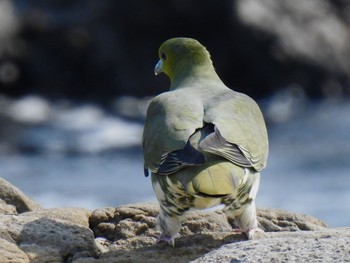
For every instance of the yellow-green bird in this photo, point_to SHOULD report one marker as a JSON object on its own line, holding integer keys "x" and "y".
{"x": 203, "y": 143}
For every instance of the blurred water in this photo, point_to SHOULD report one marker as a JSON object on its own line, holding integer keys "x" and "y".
{"x": 66, "y": 159}
{"x": 84, "y": 181}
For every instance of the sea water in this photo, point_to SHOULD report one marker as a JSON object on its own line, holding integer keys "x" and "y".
{"x": 84, "y": 157}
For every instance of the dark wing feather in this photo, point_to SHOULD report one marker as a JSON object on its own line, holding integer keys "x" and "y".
{"x": 177, "y": 160}
{"x": 214, "y": 143}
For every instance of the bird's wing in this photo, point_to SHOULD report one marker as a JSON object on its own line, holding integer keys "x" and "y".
{"x": 240, "y": 134}
{"x": 172, "y": 118}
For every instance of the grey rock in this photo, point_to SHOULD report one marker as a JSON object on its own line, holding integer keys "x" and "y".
{"x": 331, "y": 245}
{"x": 11, "y": 195}
{"x": 327, "y": 245}
{"x": 46, "y": 239}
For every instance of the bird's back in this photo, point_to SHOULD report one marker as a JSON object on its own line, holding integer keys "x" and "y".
{"x": 203, "y": 143}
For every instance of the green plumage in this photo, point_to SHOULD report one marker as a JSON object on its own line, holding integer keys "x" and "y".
{"x": 203, "y": 143}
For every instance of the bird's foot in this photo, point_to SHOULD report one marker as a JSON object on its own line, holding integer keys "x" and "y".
{"x": 250, "y": 232}
{"x": 237, "y": 230}
{"x": 164, "y": 238}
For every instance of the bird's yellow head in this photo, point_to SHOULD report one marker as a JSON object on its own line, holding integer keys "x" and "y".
{"x": 180, "y": 57}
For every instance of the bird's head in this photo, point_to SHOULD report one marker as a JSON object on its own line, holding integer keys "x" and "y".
{"x": 180, "y": 57}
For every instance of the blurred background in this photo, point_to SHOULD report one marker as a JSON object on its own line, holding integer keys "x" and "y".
{"x": 76, "y": 78}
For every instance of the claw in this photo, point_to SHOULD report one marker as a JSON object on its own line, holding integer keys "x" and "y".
{"x": 169, "y": 240}
{"x": 249, "y": 233}
{"x": 237, "y": 230}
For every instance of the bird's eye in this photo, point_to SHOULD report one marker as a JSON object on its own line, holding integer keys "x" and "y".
{"x": 163, "y": 55}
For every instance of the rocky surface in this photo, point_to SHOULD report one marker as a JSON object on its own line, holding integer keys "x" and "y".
{"x": 29, "y": 233}
{"x": 128, "y": 234}
{"x": 332, "y": 245}
{"x": 13, "y": 200}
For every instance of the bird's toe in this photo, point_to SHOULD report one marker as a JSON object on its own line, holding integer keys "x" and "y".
{"x": 167, "y": 239}
{"x": 251, "y": 232}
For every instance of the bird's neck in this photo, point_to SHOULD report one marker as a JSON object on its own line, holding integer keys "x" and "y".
{"x": 186, "y": 76}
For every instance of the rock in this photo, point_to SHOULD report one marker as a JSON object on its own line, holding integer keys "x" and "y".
{"x": 272, "y": 220}
{"x": 129, "y": 233}
{"x": 6, "y": 208}
{"x": 10, "y": 252}
{"x": 77, "y": 216}
{"x": 205, "y": 222}
{"x": 139, "y": 220}
{"x": 135, "y": 226}
{"x": 327, "y": 245}
{"x": 11, "y": 195}
{"x": 134, "y": 223}
{"x": 331, "y": 245}
{"x": 41, "y": 235}
{"x": 46, "y": 239}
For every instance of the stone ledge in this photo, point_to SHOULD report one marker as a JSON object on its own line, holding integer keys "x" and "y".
{"x": 128, "y": 233}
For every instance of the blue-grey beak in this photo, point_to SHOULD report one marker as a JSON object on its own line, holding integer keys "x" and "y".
{"x": 158, "y": 68}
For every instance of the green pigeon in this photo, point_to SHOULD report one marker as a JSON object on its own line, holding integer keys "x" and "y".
{"x": 203, "y": 143}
